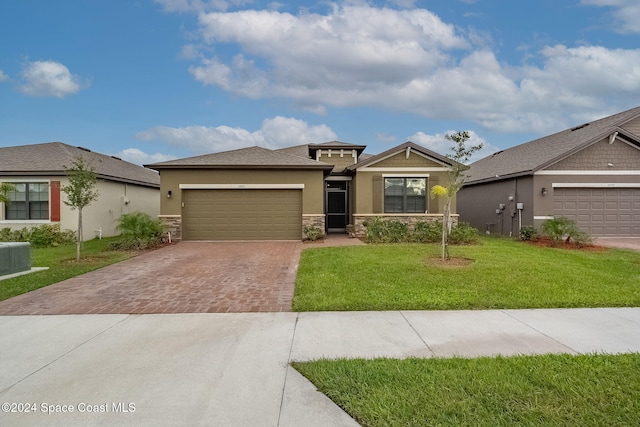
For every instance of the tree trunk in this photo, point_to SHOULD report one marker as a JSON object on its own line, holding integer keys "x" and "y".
{"x": 79, "y": 239}
{"x": 445, "y": 231}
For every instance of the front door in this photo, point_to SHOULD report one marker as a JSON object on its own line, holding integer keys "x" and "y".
{"x": 337, "y": 206}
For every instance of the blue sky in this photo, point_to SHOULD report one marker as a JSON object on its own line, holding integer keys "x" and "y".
{"x": 154, "y": 80}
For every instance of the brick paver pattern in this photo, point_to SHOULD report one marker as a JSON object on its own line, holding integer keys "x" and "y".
{"x": 188, "y": 277}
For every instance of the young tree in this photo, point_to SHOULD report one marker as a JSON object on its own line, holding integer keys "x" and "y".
{"x": 80, "y": 192}
{"x": 5, "y": 189}
{"x": 461, "y": 154}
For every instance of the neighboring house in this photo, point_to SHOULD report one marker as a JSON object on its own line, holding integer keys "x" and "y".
{"x": 38, "y": 173}
{"x": 259, "y": 194}
{"x": 590, "y": 174}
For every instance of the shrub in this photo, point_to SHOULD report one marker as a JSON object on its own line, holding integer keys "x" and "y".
{"x": 375, "y": 229}
{"x": 563, "y": 229}
{"x": 427, "y": 232}
{"x": 40, "y": 236}
{"x": 51, "y": 235}
{"x": 312, "y": 232}
{"x": 528, "y": 232}
{"x": 463, "y": 234}
{"x": 138, "y": 231}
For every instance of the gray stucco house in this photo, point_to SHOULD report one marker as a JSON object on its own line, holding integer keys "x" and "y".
{"x": 589, "y": 173}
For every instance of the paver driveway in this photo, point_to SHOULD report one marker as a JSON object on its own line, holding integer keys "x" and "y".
{"x": 189, "y": 277}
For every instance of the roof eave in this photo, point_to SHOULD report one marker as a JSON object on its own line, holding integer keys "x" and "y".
{"x": 243, "y": 167}
{"x": 498, "y": 178}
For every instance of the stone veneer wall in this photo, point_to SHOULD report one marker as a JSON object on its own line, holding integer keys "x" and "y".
{"x": 410, "y": 219}
{"x": 173, "y": 225}
{"x": 310, "y": 220}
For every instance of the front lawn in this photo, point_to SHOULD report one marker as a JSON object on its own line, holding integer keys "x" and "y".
{"x": 62, "y": 265}
{"x": 549, "y": 390}
{"x": 502, "y": 274}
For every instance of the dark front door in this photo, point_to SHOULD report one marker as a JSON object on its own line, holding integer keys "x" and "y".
{"x": 337, "y": 206}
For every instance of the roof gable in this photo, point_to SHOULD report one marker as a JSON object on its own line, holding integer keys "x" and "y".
{"x": 407, "y": 147}
{"x": 525, "y": 159}
{"x": 53, "y": 158}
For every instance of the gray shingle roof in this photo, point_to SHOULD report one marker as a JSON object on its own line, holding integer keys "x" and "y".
{"x": 251, "y": 157}
{"x": 532, "y": 156}
{"x": 51, "y": 158}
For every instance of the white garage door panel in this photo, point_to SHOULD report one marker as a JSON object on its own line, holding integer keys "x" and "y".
{"x": 600, "y": 211}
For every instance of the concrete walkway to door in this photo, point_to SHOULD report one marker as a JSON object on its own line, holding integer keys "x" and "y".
{"x": 189, "y": 277}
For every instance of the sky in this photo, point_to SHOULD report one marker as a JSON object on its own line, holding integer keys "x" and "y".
{"x": 154, "y": 80}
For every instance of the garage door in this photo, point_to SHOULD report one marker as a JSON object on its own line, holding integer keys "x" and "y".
{"x": 242, "y": 214}
{"x": 600, "y": 211}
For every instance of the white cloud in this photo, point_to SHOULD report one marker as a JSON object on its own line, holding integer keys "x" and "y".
{"x": 49, "y": 78}
{"x": 277, "y": 132}
{"x": 441, "y": 145}
{"x": 410, "y": 61}
{"x": 3, "y": 76}
{"x": 139, "y": 157}
{"x": 626, "y": 14}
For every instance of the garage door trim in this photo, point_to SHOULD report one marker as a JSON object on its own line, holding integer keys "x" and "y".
{"x": 595, "y": 185}
{"x": 241, "y": 186}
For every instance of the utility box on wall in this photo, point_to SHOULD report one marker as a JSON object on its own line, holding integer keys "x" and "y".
{"x": 15, "y": 257}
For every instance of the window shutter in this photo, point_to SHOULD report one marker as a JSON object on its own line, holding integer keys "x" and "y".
{"x": 55, "y": 201}
{"x": 378, "y": 193}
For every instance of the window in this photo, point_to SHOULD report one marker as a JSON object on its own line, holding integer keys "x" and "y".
{"x": 403, "y": 195}
{"x": 29, "y": 200}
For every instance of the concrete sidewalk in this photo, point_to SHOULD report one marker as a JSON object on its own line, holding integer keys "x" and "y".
{"x": 232, "y": 369}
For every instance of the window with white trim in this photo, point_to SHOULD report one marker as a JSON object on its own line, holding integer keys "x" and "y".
{"x": 28, "y": 200}
{"x": 405, "y": 195}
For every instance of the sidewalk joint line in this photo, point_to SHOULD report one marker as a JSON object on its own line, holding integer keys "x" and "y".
{"x": 288, "y": 365}
{"x": 416, "y": 332}
{"x": 64, "y": 354}
{"x": 540, "y": 332}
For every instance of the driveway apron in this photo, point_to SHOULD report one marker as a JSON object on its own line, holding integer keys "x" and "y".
{"x": 189, "y": 277}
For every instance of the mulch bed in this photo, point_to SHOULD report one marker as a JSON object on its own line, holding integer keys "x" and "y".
{"x": 548, "y": 243}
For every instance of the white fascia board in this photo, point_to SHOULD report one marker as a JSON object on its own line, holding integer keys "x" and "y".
{"x": 402, "y": 170}
{"x": 405, "y": 175}
{"x": 241, "y": 186}
{"x": 595, "y": 185}
{"x": 338, "y": 178}
{"x": 593, "y": 172}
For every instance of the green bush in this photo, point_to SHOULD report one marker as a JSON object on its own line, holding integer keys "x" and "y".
{"x": 427, "y": 232}
{"x": 312, "y": 232}
{"x": 47, "y": 235}
{"x": 41, "y": 236}
{"x": 138, "y": 231}
{"x": 463, "y": 234}
{"x": 396, "y": 232}
{"x": 379, "y": 230}
{"x": 563, "y": 229}
{"x": 375, "y": 229}
{"x": 528, "y": 232}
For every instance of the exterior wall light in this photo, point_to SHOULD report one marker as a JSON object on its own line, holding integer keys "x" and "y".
{"x": 169, "y": 194}
{"x": 544, "y": 191}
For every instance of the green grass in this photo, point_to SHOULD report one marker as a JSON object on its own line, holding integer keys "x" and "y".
{"x": 549, "y": 390}
{"x": 503, "y": 274}
{"x": 62, "y": 265}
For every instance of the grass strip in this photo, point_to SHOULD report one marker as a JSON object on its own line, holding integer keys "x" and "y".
{"x": 547, "y": 390}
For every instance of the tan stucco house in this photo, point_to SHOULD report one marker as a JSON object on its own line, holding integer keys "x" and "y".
{"x": 38, "y": 173}
{"x": 589, "y": 173}
{"x": 260, "y": 194}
